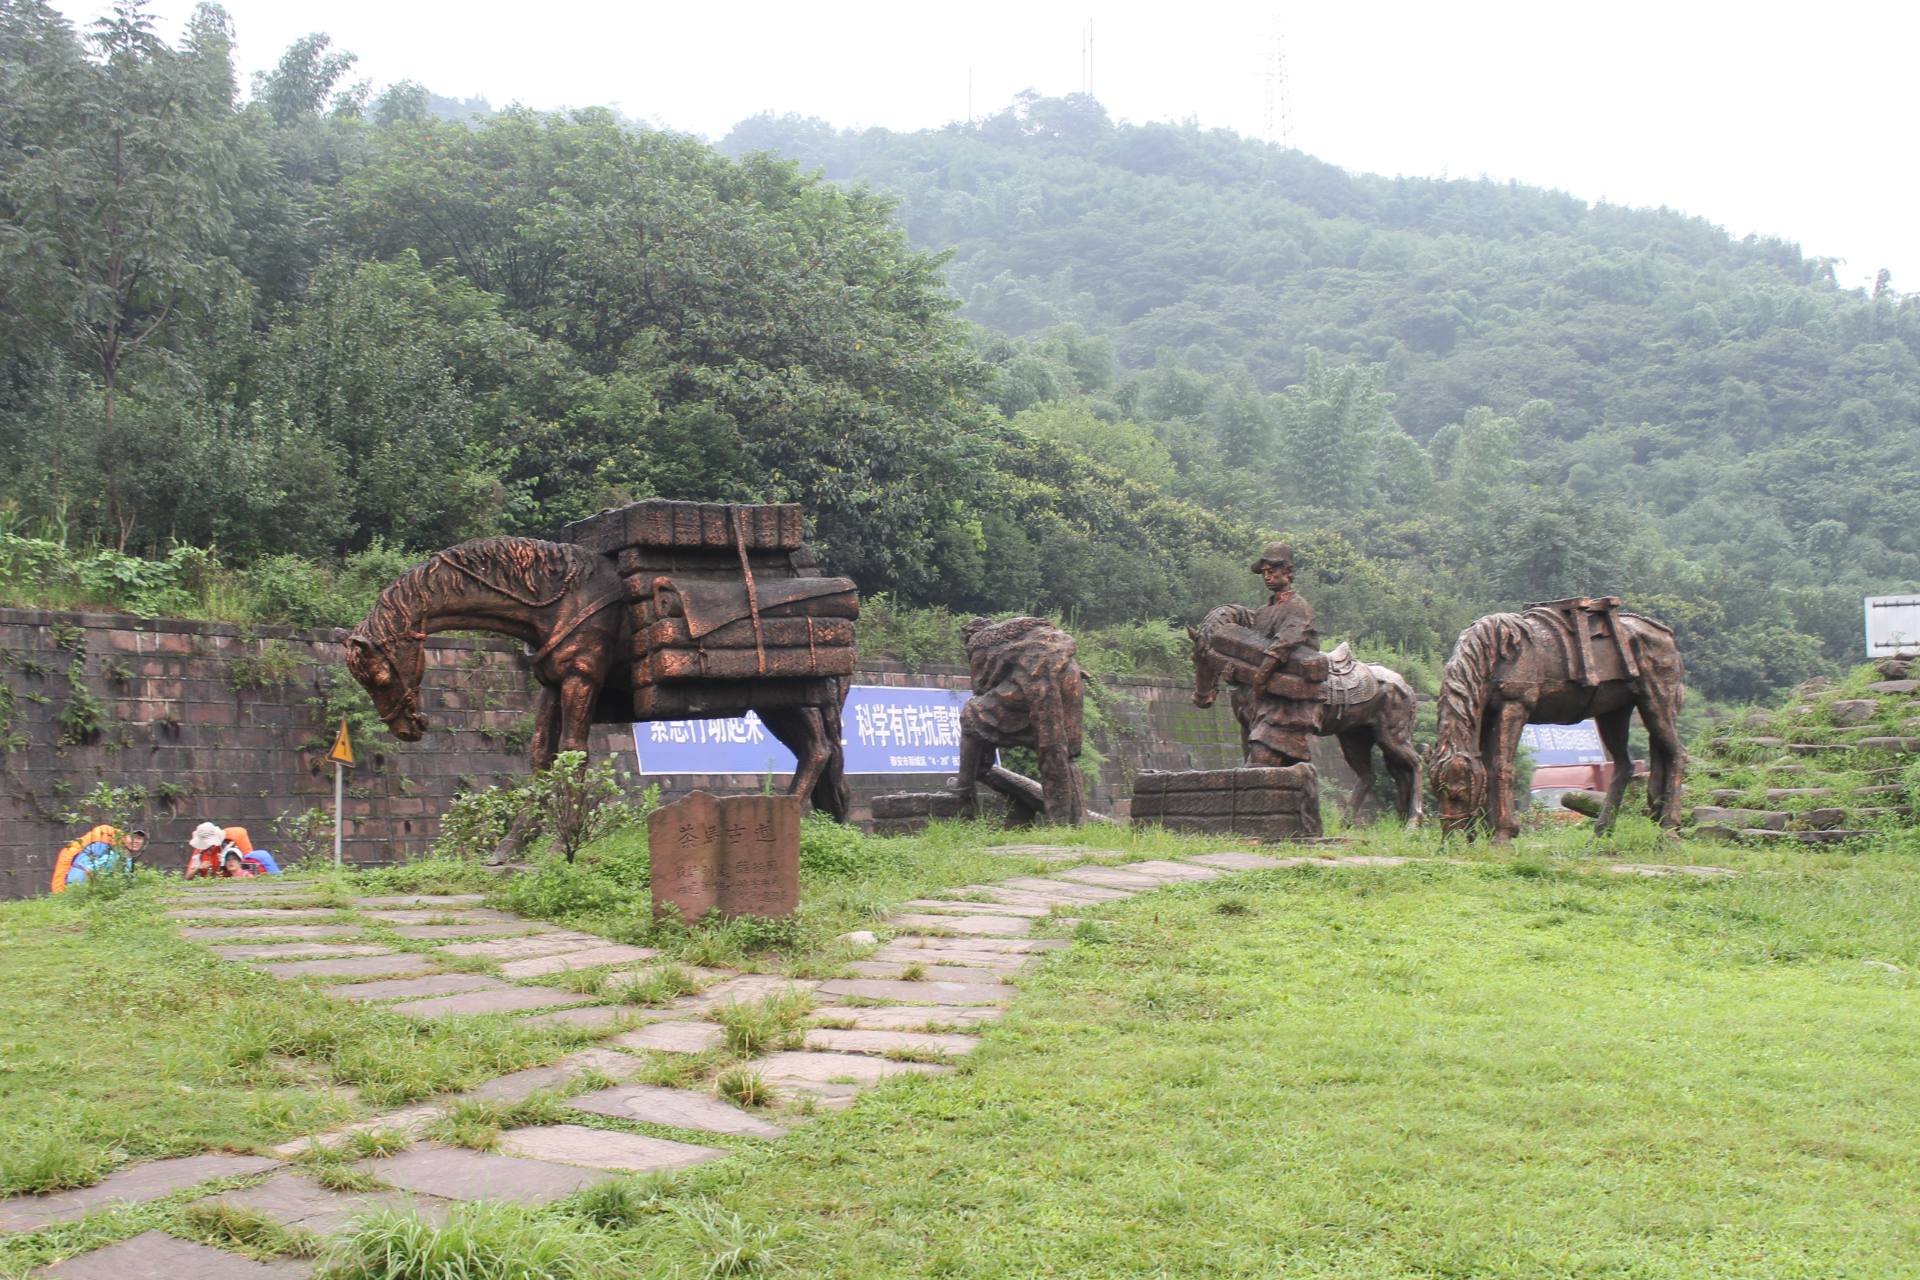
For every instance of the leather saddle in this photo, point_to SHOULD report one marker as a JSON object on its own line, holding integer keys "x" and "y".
{"x": 1349, "y": 680}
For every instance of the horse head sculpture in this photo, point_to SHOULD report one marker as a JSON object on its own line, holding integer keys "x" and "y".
{"x": 390, "y": 668}
{"x": 1459, "y": 782}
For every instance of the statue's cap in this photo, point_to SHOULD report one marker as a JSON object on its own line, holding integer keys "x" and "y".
{"x": 1274, "y": 553}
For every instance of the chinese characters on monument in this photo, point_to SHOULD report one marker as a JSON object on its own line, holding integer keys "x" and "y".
{"x": 739, "y": 856}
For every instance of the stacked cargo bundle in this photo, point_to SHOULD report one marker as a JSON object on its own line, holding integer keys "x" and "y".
{"x": 1271, "y": 804}
{"x": 729, "y": 610}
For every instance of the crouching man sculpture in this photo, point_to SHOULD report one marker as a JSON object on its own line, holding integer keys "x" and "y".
{"x": 1026, "y": 693}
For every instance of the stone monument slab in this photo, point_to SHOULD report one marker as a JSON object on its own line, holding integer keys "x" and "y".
{"x": 738, "y": 856}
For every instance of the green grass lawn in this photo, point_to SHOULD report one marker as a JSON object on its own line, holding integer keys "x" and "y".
{"x": 1519, "y": 1066}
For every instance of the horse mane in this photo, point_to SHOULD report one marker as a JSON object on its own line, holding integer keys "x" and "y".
{"x": 529, "y": 570}
{"x": 1463, "y": 685}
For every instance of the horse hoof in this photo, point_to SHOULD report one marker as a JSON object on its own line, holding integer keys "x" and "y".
{"x": 1500, "y": 838}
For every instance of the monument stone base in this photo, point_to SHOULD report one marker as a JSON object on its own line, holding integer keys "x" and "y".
{"x": 1268, "y": 804}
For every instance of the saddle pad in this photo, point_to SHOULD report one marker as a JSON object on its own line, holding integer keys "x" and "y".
{"x": 1349, "y": 687}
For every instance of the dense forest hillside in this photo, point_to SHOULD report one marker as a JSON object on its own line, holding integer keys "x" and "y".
{"x": 1616, "y": 397}
{"x": 258, "y": 349}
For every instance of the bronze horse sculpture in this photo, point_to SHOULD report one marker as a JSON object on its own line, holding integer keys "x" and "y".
{"x": 561, "y": 600}
{"x": 1382, "y": 718}
{"x": 1556, "y": 663}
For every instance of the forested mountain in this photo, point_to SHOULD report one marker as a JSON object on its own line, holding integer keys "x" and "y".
{"x": 274, "y": 343}
{"x": 1507, "y": 390}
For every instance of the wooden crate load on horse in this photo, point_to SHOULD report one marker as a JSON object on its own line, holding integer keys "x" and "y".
{"x": 728, "y": 607}
{"x": 1242, "y": 650}
{"x": 1589, "y": 627}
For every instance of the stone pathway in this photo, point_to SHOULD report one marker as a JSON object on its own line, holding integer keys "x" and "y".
{"x": 913, "y": 1005}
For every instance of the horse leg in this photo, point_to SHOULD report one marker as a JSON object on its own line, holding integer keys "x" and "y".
{"x": 1393, "y": 734}
{"x": 976, "y": 756}
{"x": 1505, "y": 733}
{"x": 1357, "y": 746}
{"x": 546, "y": 726}
{"x": 1665, "y": 754}
{"x": 802, "y": 732}
{"x": 1059, "y": 786}
{"x": 577, "y": 695}
{"x": 1613, "y": 727}
{"x": 830, "y": 794}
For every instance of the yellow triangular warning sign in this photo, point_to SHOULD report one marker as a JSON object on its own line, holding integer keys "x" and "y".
{"x": 342, "y": 752}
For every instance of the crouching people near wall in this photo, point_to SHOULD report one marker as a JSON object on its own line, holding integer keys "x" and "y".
{"x": 102, "y": 849}
{"x": 226, "y": 852}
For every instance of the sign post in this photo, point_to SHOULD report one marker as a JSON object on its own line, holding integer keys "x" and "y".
{"x": 342, "y": 758}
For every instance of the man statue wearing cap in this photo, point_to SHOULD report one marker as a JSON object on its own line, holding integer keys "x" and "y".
{"x": 1294, "y": 673}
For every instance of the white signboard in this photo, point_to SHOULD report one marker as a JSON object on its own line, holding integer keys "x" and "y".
{"x": 1893, "y": 624}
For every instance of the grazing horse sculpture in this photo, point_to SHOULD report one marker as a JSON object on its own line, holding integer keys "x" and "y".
{"x": 1361, "y": 717}
{"x": 564, "y": 601}
{"x": 1555, "y": 663}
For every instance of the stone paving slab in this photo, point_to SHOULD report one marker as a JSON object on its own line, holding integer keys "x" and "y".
{"x": 943, "y": 1042}
{"x": 1026, "y": 898}
{"x": 423, "y": 900}
{"x": 411, "y": 1123}
{"x": 674, "y": 1037}
{"x": 1110, "y": 878}
{"x": 919, "y": 992}
{"x": 593, "y": 1016}
{"x": 456, "y": 915}
{"x": 134, "y": 1185}
{"x": 352, "y": 967}
{"x": 219, "y": 913}
{"x": 492, "y": 1000}
{"x": 1012, "y": 946}
{"x": 155, "y": 1255}
{"x": 479, "y": 929}
{"x": 1047, "y": 852}
{"x": 520, "y": 1085}
{"x": 1172, "y": 870}
{"x": 455, "y": 1173}
{"x": 1004, "y": 926}
{"x": 253, "y": 884}
{"x": 803, "y": 1069}
{"x": 998, "y": 961}
{"x": 300, "y": 951}
{"x": 574, "y": 1144}
{"x": 295, "y": 1200}
{"x": 928, "y": 972}
{"x": 288, "y": 931}
{"x": 1661, "y": 869}
{"x": 908, "y": 1017}
{"x": 1082, "y": 892}
{"x": 568, "y": 961}
{"x": 680, "y": 1108}
{"x": 946, "y": 907}
{"x": 1232, "y": 860}
{"x": 542, "y": 944}
{"x": 433, "y": 984}
{"x": 745, "y": 989}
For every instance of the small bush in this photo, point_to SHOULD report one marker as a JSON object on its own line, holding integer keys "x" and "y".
{"x": 744, "y": 1086}
{"x": 485, "y": 1241}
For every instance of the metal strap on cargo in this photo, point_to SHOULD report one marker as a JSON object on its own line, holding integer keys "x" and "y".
{"x": 753, "y": 591}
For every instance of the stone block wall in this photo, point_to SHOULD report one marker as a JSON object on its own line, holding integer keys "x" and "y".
{"x": 229, "y": 724}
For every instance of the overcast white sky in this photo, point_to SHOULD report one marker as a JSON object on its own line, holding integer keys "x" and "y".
{"x": 1791, "y": 120}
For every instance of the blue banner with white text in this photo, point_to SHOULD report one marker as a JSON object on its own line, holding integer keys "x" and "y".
{"x": 883, "y": 730}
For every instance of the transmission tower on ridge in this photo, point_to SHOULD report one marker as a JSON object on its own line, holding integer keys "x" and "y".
{"x": 1086, "y": 59}
{"x": 1279, "y": 110}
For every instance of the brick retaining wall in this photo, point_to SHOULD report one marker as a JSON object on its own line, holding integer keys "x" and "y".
{"x": 183, "y": 715}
